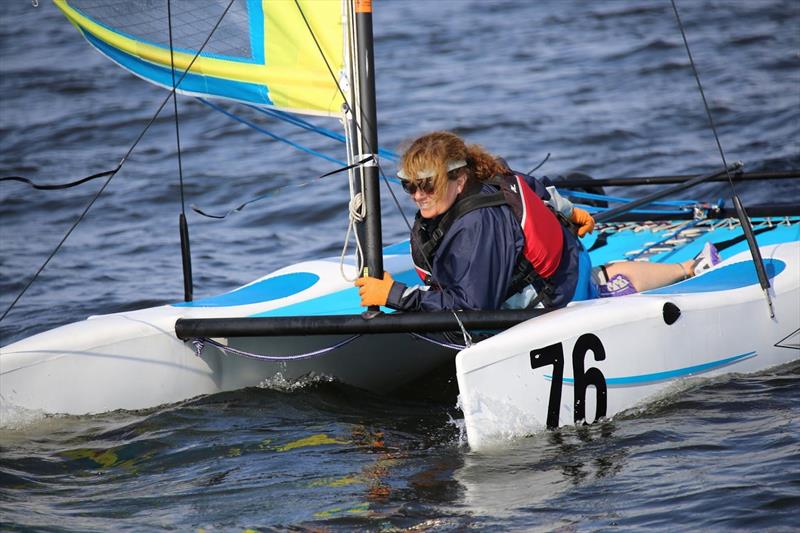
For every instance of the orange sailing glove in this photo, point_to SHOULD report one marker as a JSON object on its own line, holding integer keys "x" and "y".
{"x": 374, "y": 291}
{"x": 584, "y": 221}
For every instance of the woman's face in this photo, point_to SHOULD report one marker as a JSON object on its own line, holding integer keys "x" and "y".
{"x": 430, "y": 207}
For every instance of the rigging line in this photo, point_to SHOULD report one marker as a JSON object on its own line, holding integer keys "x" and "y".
{"x": 58, "y": 247}
{"x": 356, "y": 210}
{"x": 702, "y": 94}
{"x": 270, "y": 134}
{"x": 747, "y": 228}
{"x": 200, "y": 341}
{"x": 619, "y": 199}
{"x": 58, "y": 186}
{"x": 537, "y": 167}
{"x": 114, "y": 172}
{"x": 333, "y": 76}
{"x": 594, "y": 210}
{"x": 281, "y": 189}
{"x": 174, "y": 89}
{"x": 299, "y": 122}
{"x": 183, "y": 226}
{"x": 443, "y": 344}
{"x": 321, "y": 53}
{"x": 175, "y": 105}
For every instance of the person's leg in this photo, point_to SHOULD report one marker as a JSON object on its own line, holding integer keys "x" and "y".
{"x": 645, "y": 276}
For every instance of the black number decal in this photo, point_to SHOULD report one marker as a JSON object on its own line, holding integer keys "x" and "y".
{"x": 593, "y": 376}
{"x": 551, "y": 355}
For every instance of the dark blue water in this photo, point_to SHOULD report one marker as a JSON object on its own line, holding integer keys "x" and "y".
{"x": 605, "y": 87}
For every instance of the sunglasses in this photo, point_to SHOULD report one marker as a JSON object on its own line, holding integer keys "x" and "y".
{"x": 425, "y": 185}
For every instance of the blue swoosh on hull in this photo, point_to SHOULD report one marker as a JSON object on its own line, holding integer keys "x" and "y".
{"x": 647, "y": 379}
{"x": 266, "y": 290}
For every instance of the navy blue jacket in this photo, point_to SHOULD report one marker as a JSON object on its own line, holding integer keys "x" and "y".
{"x": 473, "y": 265}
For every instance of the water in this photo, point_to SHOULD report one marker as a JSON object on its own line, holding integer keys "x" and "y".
{"x": 604, "y": 87}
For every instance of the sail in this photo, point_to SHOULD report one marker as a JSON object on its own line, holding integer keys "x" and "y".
{"x": 276, "y": 53}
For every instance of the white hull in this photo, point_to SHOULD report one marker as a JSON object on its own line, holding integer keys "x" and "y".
{"x": 718, "y": 331}
{"x": 134, "y": 360}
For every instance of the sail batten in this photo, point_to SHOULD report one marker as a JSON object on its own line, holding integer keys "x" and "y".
{"x": 264, "y": 55}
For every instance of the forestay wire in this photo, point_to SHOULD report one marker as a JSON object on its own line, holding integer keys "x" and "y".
{"x": 742, "y": 214}
{"x": 702, "y": 94}
{"x": 113, "y": 172}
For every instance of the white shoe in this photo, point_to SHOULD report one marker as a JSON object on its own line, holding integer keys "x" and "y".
{"x": 706, "y": 259}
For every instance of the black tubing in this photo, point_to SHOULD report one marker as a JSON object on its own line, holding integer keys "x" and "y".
{"x": 436, "y": 321}
{"x": 612, "y": 213}
{"x": 186, "y": 257}
{"x": 764, "y": 210}
{"x": 662, "y": 180}
{"x": 763, "y": 279}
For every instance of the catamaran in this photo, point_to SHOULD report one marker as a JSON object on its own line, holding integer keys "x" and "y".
{"x": 533, "y": 370}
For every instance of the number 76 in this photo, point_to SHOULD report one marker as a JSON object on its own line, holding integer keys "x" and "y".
{"x": 554, "y": 355}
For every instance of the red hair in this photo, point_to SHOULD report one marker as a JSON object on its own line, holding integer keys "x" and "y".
{"x": 434, "y": 151}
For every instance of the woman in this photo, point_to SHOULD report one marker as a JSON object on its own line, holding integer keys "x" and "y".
{"x": 487, "y": 238}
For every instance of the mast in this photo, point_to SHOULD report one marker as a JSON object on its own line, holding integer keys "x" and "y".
{"x": 366, "y": 139}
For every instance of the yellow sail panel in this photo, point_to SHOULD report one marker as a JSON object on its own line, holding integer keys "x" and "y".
{"x": 277, "y": 53}
{"x": 286, "y": 52}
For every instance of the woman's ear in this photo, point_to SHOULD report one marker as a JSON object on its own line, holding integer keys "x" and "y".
{"x": 461, "y": 181}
